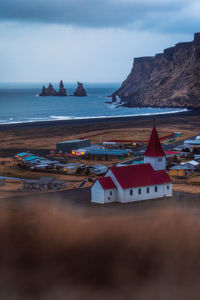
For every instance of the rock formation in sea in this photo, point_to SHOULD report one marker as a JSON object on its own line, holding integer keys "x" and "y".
{"x": 50, "y": 91}
{"x": 62, "y": 90}
{"x": 80, "y": 91}
{"x": 168, "y": 79}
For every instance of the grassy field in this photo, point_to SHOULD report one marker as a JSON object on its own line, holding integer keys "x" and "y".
{"x": 46, "y": 138}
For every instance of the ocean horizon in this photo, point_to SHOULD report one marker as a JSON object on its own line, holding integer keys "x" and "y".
{"x": 20, "y": 103}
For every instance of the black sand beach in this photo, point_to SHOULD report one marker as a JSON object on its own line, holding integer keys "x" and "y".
{"x": 94, "y": 121}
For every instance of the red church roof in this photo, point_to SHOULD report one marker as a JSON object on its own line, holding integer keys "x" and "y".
{"x": 154, "y": 148}
{"x": 139, "y": 175}
{"x": 106, "y": 183}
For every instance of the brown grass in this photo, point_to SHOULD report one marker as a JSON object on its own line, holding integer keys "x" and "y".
{"x": 187, "y": 188}
{"x": 46, "y": 138}
{"x": 53, "y": 255}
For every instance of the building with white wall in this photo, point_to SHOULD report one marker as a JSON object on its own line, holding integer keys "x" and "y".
{"x": 136, "y": 182}
{"x": 154, "y": 153}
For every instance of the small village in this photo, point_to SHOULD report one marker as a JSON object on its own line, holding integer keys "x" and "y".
{"x": 81, "y": 163}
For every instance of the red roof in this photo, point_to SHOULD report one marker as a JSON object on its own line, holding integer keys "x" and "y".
{"x": 172, "y": 152}
{"x": 106, "y": 183}
{"x": 139, "y": 175}
{"x": 154, "y": 148}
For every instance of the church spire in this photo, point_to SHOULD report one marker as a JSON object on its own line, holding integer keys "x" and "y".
{"x": 154, "y": 148}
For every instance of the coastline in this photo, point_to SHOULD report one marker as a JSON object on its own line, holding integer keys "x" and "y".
{"x": 95, "y": 120}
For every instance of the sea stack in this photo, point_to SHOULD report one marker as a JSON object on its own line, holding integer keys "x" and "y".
{"x": 62, "y": 90}
{"x": 80, "y": 91}
{"x": 50, "y": 91}
{"x": 168, "y": 79}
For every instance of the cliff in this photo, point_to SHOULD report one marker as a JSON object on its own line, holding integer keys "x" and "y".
{"x": 80, "y": 91}
{"x": 50, "y": 91}
{"x": 168, "y": 79}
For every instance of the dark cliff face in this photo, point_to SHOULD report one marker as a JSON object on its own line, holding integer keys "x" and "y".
{"x": 169, "y": 79}
{"x": 80, "y": 91}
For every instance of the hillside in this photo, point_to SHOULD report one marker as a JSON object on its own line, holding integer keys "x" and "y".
{"x": 168, "y": 79}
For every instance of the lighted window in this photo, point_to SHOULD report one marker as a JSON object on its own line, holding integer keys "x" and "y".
{"x": 148, "y": 190}
{"x": 139, "y": 191}
{"x": 156, "y": 189}
{"x": 131, "y": 192}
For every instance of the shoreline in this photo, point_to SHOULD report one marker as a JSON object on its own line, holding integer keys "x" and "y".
{"x": 94, "y": 120}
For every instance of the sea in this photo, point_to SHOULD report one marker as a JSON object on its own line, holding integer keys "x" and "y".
{"x": 20, "y": 103}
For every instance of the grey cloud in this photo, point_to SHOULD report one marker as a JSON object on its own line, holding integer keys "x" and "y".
{"x": 95, "y": 13}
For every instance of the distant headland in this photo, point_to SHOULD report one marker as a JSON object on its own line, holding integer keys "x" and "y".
{"x": 168, "y": 79}
{"x": 50, "y": 91}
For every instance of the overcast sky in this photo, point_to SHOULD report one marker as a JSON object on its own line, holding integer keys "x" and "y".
{"x": 88, "y": 40}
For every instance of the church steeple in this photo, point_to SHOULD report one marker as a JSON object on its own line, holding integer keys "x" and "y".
{"x": 154, "y": 148}
{"x": 154, "y": 153}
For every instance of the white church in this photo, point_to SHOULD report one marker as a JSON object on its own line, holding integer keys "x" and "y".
{"x": 136, "y": 182}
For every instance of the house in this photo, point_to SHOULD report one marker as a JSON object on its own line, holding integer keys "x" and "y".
{"x": 68, "y": 146}
{"x": 136, "y": 182}
{"x": 192, "y": 142}
{"x": 178, "y": 170}
{"x": 191, "y": 165}
{"x": 98, "y": 169}
{"x": 44, "y": 183}
{"x": 57, "y": 184}
{"x": 82, "y": 151}
{"x": 107, "y": 153}
{"x": 21, "y": 155}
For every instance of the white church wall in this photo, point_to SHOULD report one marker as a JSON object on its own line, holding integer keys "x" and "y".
{"x": 168, "y": 192}
{"x": 110, "y": 196}
{"x": 97, "y": 193}
{"x": 144, "y": 195}
{"x": 101, "y": 196}
{"x": 120, "y": 191}
{"x": 157, "y": 163}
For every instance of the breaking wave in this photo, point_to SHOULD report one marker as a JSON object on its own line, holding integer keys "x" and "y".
{"x": 63, "y": 118}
